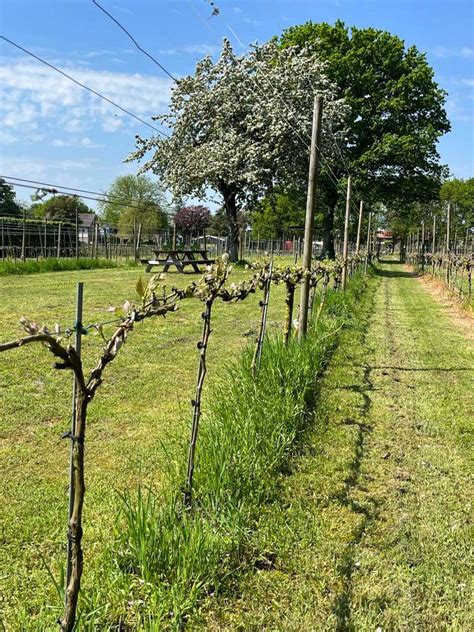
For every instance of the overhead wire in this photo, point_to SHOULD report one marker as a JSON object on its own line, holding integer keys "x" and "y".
{"x": 59, "y": 191}
{"x": 83, "y": 85}
{"x": 155, "y": 61}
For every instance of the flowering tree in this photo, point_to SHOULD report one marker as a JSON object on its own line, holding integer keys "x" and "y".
{"x": 193, "y": 218}
{"x": 240, "y": 126}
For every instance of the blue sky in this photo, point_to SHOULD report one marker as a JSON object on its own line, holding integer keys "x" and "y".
{"x": 56, "y": 132}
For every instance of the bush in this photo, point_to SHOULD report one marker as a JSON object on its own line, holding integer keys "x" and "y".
{"x": 53, "y": 265}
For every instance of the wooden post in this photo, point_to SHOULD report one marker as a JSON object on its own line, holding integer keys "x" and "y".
{"x": 3, "y": 241}
{"x": 423, "y": 246}
{"x": 309, "y": 220}
{"x": 23, "y": 237}
{"x": 433, "y": 240}
{"x": 59, "y": 240}
{"x": 174, "y": 236}
{"x": 96, "y": 239}
{"x": 345, "y": 251}
{"x": 448, "y": 227}
{"x": 77, "y": 233}
{"x": 359, "y": 226}
{"x": 137, "y": 243}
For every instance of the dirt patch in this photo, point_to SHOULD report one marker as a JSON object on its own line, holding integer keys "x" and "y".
{"x": 460, "y": 317}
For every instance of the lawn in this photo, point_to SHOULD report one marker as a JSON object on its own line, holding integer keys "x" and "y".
{"x": 142, "y": 408}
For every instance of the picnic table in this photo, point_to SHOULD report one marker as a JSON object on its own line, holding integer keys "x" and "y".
{"x": 178, "y": 258}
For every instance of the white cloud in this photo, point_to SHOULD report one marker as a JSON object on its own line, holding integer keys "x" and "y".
{"x": 192, "y": 49}
{"x": 445, "y": 53}
{"x": 33, "y": 96}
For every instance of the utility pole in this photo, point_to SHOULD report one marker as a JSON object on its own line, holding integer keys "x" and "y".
{"x": 345, "y": 247}
{"x": 359, "y": 226}
{"x": 309, "y": 221}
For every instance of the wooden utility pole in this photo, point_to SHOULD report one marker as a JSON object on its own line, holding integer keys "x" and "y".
{"x": 359, "y": 226}
{"x": 309, "y": 221}
{"x": 345, "y": 247}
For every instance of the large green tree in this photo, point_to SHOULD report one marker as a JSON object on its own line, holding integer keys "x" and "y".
{"x": 8, "y": 204}
{"x": 282, "y": 212}
{"x": 230, "y": 131}
{"x": 396, "y": 115}
{"x": 134, "y": 200}
{"x": 60, "y": 208}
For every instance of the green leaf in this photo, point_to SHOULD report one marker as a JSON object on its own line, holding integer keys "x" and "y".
{"x": 140, "y": 288}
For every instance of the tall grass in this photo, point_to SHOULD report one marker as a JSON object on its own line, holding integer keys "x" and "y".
{"x": 53, "y": 265}
{"x": 170, "y": 558}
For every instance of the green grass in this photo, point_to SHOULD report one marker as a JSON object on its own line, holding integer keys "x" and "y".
{"x": 143, "y": 565}
{"x": 35, "y": 266}
{"x": 372, "y": 528}
{"x": 143, "y": 404}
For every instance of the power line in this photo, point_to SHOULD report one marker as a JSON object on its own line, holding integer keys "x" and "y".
{"x": 61, "y": 191}
{"x": 82, "y": 85}
{"x": 155, "y": 61}
{"x": 58, "y": 188}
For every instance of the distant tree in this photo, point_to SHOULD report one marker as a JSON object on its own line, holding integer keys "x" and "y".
{"x": 230, "y": 132}
{"x": 193, "y": 218}
{"x": 135, "y": 200}
{"x": 60, "y": 208}
{"x": 396, "y": 116}
{"x": 461, "y": 195}
{"x": 278, "y": 214}
{"x": 8, "y": 204}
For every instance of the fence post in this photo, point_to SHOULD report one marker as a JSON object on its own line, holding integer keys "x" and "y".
{"x": 23, "y": 237}
{"x": 77, "y": 233}
{"x": 59, "y": 240}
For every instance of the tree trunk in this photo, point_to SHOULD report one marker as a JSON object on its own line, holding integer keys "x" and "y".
{"x": 229, "y": 193}
{"x": 328, "y": 225}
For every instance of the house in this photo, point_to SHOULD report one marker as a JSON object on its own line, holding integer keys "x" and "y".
{"x": 87, "y": 227}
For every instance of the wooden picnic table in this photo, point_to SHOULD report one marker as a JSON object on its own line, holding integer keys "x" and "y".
{"x": 180, "y": 259}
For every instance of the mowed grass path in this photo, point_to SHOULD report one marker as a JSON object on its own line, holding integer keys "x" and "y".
{"x": 373, "y": 529}
{"x": 139, "y": 414}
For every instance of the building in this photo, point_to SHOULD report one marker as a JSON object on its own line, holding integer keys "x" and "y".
{"x": 87, "y": 227}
